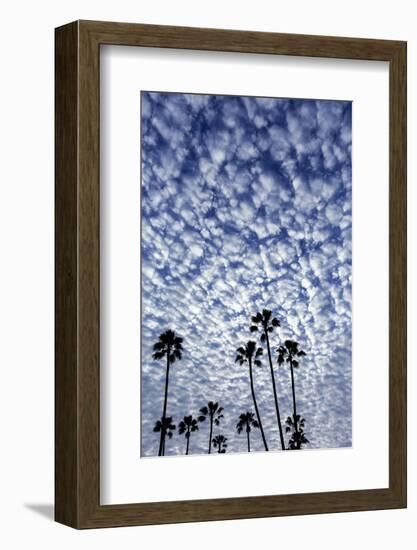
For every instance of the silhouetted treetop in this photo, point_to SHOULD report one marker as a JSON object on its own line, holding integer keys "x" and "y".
{"x": 188, "y": 425}
{"x": 296, "y": 426}
{"x": 170, "y": 344}
{"x": 264, "y": 322}
{"x": 288, "y": 352}
{"x": 249, "y": 352}
{"x": 165, "y": 426}
{"x": 213, "y": 410}
{"x": 220, "y": 442}
{"x": 246, "y": 421}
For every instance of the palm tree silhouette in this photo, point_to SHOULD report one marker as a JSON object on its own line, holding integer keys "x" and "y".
{"x": 289, "y": 352}
{"x": 214, "y": 412}
{"x": 247, "y": 421}
{"x": 266, "y": 325}
{"x": 166, "y": 427}
{"x": 220, "y": 442}
{"x": 188, "y": 425}
{"x": 168, "y": 345}
{"x": 250, "y": 354}
{"x": 298, "y": 437}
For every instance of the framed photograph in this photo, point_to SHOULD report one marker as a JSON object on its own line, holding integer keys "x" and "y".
{"x": 230, "y": 274}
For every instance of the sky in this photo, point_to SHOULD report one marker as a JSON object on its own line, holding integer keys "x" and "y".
{"x": 246, "y": 204}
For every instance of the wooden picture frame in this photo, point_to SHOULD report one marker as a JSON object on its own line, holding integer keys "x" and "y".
{"x": 77, "y": 383}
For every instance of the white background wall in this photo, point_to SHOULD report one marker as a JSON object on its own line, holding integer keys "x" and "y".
{"x": 26, "y": 273}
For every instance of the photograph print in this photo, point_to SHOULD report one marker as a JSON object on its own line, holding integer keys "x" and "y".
{"x": 246, "y": 274}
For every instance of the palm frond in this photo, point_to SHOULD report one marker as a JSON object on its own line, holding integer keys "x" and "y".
{"x": 266, "y": 314}
{"x": 256, "y": 318}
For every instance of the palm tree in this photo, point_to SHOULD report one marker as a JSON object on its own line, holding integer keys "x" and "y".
{"x": 164, "y": 426}
{"x": 297, "y": 437}
{"x": 266, "y": 325}
{"x": 247, "y": 421}
{"x": 220, "y": 442}
{"x": 250, "y": 354}
{"x": 168, "y": 345}
{"x": 214, "y": 412}
{"x": 289, "y": 352}
{"x": 188, "y": 425}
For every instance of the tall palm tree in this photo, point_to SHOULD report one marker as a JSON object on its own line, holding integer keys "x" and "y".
{"x": 289, "y": 352}
{"x": 187, "y": 426}
{"x": 247, "y": 421}
{"x": 219, "y": 442}
{"x": 214, "y": 412}
{"x": 165, "y": 426}
{"x": 265, "y": 323}
{"x": 250, "y": 354}
{"x": 168, "y": 345}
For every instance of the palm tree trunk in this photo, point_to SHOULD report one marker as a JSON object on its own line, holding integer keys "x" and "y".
{"x": 256, "y": 405}
{"x": 211, "y": 433}
{"x": 281, "y": 435}
{"x": 164, "y": 412}
{"x": 247, "y": 433}
{"x": 293, "y": 400}
{"x": 161, "y": 443}
{"x": 188, "y": 443}
{"x": 166, "y": 384}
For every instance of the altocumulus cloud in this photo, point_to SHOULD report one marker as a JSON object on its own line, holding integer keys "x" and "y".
{"x": 246, "y": 204}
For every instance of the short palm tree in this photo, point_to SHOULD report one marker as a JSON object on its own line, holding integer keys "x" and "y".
{"x": 298, "y": 437}
{"x": 265, "y": 323}
{"x": 250, "y": 354}
{"x": 166, "y": 427}
{"x": 214, "y": 413}
{"x": 290, "y": 353}
{"x": 219, "y": 442}
{"x": 187, "y": 426}
{"x": 170, "y": 346}
{"x": 246, "y": 422}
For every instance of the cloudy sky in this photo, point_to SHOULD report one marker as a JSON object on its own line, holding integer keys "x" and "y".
{"x": 246, "y": 204}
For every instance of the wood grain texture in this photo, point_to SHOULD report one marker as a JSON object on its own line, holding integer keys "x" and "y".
{"x": 78, "y": 285}
{"x": 66, "y": 236}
